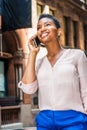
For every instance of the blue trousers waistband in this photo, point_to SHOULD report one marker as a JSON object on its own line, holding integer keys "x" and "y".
{"x": 61, "y": 120}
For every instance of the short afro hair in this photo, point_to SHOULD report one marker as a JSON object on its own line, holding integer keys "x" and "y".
{"x": 56, "y": 22}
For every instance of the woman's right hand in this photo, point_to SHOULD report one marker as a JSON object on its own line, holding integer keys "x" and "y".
{"x": 31, "y": 46}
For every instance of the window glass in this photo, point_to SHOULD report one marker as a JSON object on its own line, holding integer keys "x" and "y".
{"x": 2, "y": 79}
{"x": 65, "y": 30}
{"x": 85, "y": 36}
{"x": 75, "y": 33}
{"x": 39, "y": 10}
{"x": 51, "y": 12}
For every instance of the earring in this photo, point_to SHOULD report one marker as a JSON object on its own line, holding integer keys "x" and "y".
{"x": 58, "y": 34}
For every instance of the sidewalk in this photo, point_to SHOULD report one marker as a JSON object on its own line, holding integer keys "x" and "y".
{"x": 16, "y": 126}
{"x": 27, "y": 128}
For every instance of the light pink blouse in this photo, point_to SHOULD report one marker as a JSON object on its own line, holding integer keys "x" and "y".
{"x": 63, "y": 86}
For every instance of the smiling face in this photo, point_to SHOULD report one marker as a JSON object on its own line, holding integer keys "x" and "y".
{"x": 47, "y": 30}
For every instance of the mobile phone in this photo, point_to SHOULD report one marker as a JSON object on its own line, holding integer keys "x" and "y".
{"x": 36, "y": 42}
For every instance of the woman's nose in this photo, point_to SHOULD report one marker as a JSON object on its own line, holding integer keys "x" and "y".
{"x": 43, "y": 28}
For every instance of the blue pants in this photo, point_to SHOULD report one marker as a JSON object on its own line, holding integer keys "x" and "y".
{"x": 61, "y": 120}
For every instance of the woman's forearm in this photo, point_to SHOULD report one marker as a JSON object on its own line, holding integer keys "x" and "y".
{"x": 29, "y": 74}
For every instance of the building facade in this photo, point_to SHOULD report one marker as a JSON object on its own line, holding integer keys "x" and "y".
{"x": 15, "y": 106}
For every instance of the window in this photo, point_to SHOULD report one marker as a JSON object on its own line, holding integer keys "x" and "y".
{"x": 51, "y": 11}
{"x": 66, "y": 30}
{"x": 2, "y": 79}
{"x": 75, "y": 33}
{"x": 39, "y": 9}
{"x": 18, "y": 77}
{"x": 85, "y": 36}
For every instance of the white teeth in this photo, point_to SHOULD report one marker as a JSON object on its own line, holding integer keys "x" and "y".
{"x": 43, "y": 35}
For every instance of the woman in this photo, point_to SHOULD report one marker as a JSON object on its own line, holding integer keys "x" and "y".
{"x": 60, "y": 78}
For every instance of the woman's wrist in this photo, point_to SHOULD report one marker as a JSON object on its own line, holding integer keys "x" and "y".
{"x": 32, "y": 54}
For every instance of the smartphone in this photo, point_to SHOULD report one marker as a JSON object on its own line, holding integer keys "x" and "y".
{"x": 36, "y": 42}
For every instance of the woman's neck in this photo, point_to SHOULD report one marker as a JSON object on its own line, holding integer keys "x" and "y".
{"x": 54, "y": 51}
{"x": 54, "y": 55}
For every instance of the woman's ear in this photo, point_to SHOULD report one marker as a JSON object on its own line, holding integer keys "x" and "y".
{"x": 59, "y": 32}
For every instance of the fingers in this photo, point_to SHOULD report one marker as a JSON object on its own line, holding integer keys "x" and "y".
{"x": 32, "y": 41}
{"x": 31, "y": 45}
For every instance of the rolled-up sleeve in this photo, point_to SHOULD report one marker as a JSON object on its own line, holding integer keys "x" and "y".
{"x": 82, "y": 69}
{"x": 28, "y": 88}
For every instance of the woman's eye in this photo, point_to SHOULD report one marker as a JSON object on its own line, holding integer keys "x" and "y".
{"x": 38, "y": 28}
{"x": 48, "y": 24}
{"x": 45, "y": 25}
